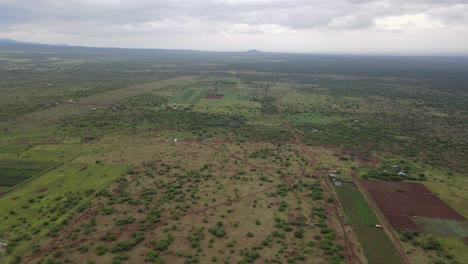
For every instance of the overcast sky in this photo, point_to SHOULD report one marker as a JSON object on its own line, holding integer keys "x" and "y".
{"x": 313, "y": 26}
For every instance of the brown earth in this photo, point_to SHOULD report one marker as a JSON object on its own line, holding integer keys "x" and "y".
{"x": 399, "y": 201}
{"x": 214, "y": 96}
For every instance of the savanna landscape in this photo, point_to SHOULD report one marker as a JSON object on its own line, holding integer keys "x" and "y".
{"x": 159, "y": 156}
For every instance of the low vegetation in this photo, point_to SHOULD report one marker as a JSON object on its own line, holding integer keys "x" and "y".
{"x": 162, "y": 157}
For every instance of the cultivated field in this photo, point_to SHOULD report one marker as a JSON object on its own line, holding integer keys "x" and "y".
{"x": 442, "y": 227}
{"x": 401, "y": 201}
{"x": 377, "y": 247}
{"x": 13, "y": 172}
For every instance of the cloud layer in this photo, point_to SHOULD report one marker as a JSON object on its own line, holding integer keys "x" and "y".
{"x": 349, "y": 26}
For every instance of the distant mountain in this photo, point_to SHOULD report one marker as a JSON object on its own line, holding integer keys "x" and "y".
{"x": 62, "y": 50}
{"x": 12, "y": 41}
{"x": 8, "y": 41}
{"x": 253, "y": 51}
{"x": 65, "y": 47}
{"x": 31, "y": 45}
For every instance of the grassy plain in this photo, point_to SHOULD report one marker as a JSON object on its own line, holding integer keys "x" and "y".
{"x": 188, "y": 96}
{"x": 452, "y": 188}
{"x": 230, "y": 104}
{"x": 51, "y": 200}
{"x": 223, "y": 183}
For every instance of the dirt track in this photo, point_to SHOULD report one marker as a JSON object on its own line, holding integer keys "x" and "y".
{"x": 54, "y": 243}
{"x": 331, "y": 208}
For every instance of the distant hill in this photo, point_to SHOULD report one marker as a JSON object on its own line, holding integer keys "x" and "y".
{"x": 12, "y": 41}
{"x": 253, "y": 51}
{"x": 15, "y": 44}
{"x": 8, "y": 41}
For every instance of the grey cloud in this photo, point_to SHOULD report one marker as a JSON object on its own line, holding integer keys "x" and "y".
{"x": 294, "y": 14}
{"x": 107, "y": 18}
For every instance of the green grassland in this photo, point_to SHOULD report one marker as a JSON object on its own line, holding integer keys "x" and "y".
{"x": 188, "y": 96}
{"x": 4, "y": 189}
{"x": 455, "y": 244}
{"x": 450, "y": 187}
{"x": 314, "y": 119}
{"x": 43, "y": 206}
{"x": 299, "y": 101}
{"x": 230, "y": 104}
{"x": 145, "y": 100}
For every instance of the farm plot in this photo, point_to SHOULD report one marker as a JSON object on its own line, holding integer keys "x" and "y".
{"x": 443, "y": 227}
{"x": 377, "y": 247}
{"x": 356, "y": 207}
{"x": 188, "y": 96}
{"x": 13, "y": 172}
{"x": 213, "y": 96}
{"x": 229, "y": 104}
{"x": 399, "y": 201}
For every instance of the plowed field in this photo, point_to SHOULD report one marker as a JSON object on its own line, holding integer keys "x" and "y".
{"x": 399, "y": 201}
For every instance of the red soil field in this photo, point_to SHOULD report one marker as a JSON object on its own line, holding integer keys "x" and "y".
{"x": 399, "y": 201}
{"x": 214, "y": 96}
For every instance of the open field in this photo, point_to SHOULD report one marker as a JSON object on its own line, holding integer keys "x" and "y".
{"x": 453, "y": 189}
{"x": 456, "y": 244}
{"x": 377, "y": 247}
{"x": 400, "y": 201}
{"x": 209, "y": 200}
{"x": 46, "y": 204}
{"x": 213, "y": 96}
{"x": 188, "y": 96}
{"x": 229, "y": 104}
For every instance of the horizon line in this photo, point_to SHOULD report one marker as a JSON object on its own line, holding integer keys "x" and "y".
{"x": 252, "y": 51}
